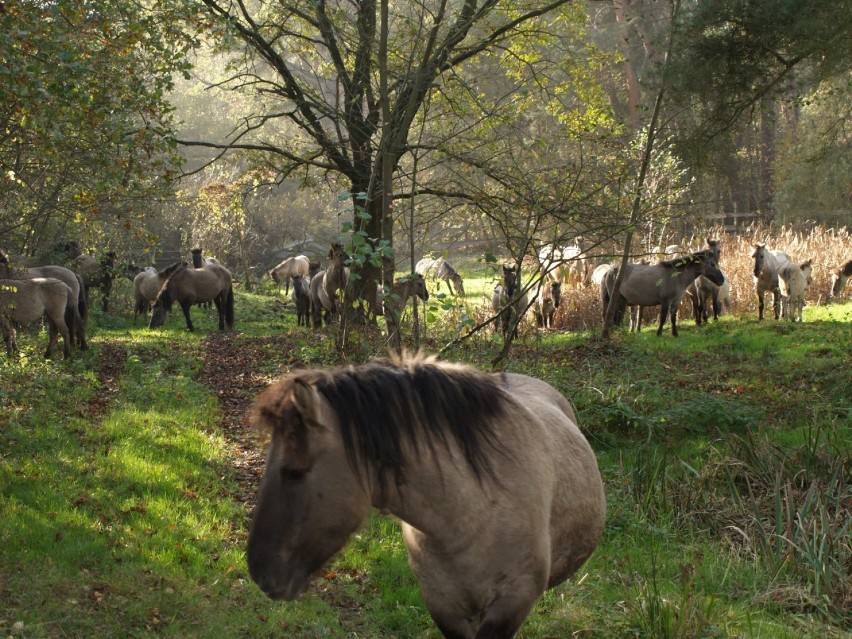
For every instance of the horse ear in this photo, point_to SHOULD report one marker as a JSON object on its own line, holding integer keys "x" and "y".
{"x": 306, "y": 399}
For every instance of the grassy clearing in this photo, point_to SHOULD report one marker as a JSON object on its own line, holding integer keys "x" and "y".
{"x": 726, "y": 456}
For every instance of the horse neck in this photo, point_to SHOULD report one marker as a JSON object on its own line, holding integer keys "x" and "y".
{"x": 424, "y": 499}
{"x": 690, "y": 271}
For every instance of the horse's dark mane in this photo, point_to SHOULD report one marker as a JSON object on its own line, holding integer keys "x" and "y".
{"x": 680, "y": 262}
{"x": 384, "y": 406}
{"x": 164, "y": 297}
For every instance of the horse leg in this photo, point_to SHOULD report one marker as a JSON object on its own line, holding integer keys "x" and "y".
{"x": 220, "y": 310}
{"x": 186, "y": 306}
{"x": 9, "y": 336}
{"x": 776, "y": 302}
{"x": 673, "y": 311}
{"x": 760, "y": 294}
{"x": 664, "y": 310}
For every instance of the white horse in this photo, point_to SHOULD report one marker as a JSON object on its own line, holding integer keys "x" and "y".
{"x": 146, "y": 285}
{"x": 567, "y": 264}
{"x": 290, "y": 267}
{"x": 767, "y": 263}
{"x": 793, "y": 281}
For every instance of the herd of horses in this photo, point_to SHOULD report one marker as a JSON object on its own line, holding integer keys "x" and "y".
{"x": 318, "y": 293}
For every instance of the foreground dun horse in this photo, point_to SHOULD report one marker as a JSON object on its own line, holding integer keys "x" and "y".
{"x": 498, "y": 491}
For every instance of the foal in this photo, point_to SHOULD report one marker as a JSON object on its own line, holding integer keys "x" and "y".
{"x": 793, "y": 281}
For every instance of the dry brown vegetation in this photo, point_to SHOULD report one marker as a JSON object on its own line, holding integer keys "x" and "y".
{"x": 829, "y": 248}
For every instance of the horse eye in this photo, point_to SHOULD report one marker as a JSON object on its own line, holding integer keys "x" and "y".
{"x": 292, "y": 474}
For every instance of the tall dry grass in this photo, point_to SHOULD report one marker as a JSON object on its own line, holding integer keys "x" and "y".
{"x": 829, "y": 248}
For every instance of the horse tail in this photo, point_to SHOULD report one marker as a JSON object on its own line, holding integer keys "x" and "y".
{"x": 229, "y": 308}
{"x": 82, "y": 304}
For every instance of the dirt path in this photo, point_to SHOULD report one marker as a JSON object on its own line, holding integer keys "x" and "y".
{"x": 231, "y": 368}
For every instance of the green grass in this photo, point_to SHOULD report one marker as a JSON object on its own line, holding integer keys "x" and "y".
{"x": 725, "y": 454}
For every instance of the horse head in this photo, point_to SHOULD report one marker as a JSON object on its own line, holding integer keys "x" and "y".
{"x": 759, "y": 256}
{"x": 556, "y": 293}
{"x": 807, "y": 268}
{"x": 294, "y": 532}
{"x": 509, "y": 280}
{"x": 338, "y": 255}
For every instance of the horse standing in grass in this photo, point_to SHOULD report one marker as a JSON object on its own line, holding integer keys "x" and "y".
{"x": 292, "y": 266}
{"x": 25, "y": 301}
{"x": 793, "y": 281}
{"x": 509, "y": 302}
{"x": 146, "y": 285}
{"x": 441, "y": 270}
{"x": 326, "y": 284}
{"x": 78, "y": 309}
{"x": 662, "y": 284}
{"x": 548, "y": 300}
{"x": 498, "y": 491}
{"x": 189, "y": 286}
{"x": 767, "y": 263}
{"x": 839, "y": 279}
{"x": 706, "y": 295}
{"x": 301, "y": 297}
{"x": 394, "y": 301}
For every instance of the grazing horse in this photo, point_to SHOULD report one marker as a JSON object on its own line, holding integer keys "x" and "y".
{"x": 441, "y": 270}
{"x": 301, "y": 297}
{"x": 188, "y": 286}
{"x": 498, "y": 491}
{"x": 548, "y": 300}
{"x": 326, "y": 284}
{"x": 662, "y": 284}
{"x": 396, "y": 298}
{"x": 77, "y": 312}
{"x": 509, "y": 303}
{"x": 793, "y": 281}
{"x": 25, "y": 301}
{"x": 97, "y": 273}
{"x": 839, "y": 279}
{"x": 146, "y": 285}
{"x": 767, "y": 263}
{"x": 292, "y": 266}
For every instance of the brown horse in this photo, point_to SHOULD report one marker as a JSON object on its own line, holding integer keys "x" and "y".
{"x": 188, "y": 286}
{"x": 547, "y": 301}
{"x": 839, "y": 279}
{"x": 326, "y": 284}
{"x": 498, "y": 491}
{"x": 25, "y": 301}
{"x": 394, "y": 301}
{"x": 510, "y": 302}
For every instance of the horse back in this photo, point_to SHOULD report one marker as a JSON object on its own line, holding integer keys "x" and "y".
{"x": 201, "y": 284}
